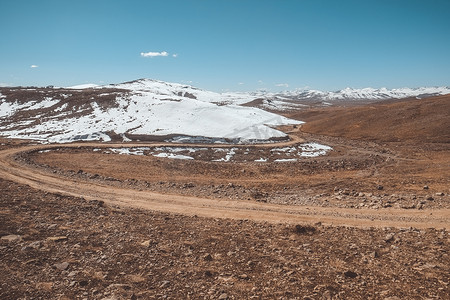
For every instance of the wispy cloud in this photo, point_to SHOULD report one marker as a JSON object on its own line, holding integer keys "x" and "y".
{"x": 34, "y": 66}
{"x": 174, "y": 55}
{"x": 282, "y": 85}
{"x": 154, "y": 54}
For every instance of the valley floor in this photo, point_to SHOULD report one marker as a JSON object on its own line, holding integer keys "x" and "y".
{"x": 369, "y": 220}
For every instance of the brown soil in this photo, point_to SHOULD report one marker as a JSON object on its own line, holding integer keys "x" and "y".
{"x": 415, "y": 121}
{"x": 110, "y": 226}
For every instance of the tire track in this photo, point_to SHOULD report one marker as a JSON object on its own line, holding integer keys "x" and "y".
{"x": 19, "y": 172}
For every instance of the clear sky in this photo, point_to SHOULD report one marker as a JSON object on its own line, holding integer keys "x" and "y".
{"x": 237, "y": 45}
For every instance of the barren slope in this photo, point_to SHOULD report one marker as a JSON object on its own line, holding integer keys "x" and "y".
{"x": 415, "y": 120}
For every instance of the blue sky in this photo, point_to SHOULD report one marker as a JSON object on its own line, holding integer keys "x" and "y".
{"x": 237, "y": 45}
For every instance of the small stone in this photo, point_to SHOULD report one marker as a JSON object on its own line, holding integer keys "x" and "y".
{"x": 61, "y": 266}
{"x": 327, "y": 295}
{"x": 389, "y": 238}
{"x": 299, "y": 229}
{"x": 52, "y": 226}
{"x": 12, "y": 238}
{"x": 83, "y": 283}
{"x": 380, "y": 187}
{"x": 165, "y": 284}
{"x": 243, "y": 276}
{"x": 208, "y": 257}
{"x": 350, "y": 274}
{"x": 146, "y": 243}
{"x": 426, "y": 187}
{"x": 35, "y": 245}
{"x": 223, "y": 296}
{"x": 72, "y": 274}
{"x": 430, "y": 198}
{"x": 57, "y": 238}
{"x": 440, "y": 194}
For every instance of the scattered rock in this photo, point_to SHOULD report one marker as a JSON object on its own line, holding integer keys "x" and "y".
{"x": 57, "y": 238}
{"x": 380, "y": 187}
{"x": 72, "y": 274}
{"x": 62, "y": 266}
{"x": 34, "y": 245}
{"x": 164, "y": 284}
{"x": 299, "y": 229}
{"x": 208, "y": 257}
{"x": 350, "y": 274}
{"x": 426, "y": 187}
{"x": 146, "y": 243}
{"x": 83, "y": 283}
{"x": 223, "y": 296}
{"x": 389, "y": 238}
{"x": 11, "y": 238}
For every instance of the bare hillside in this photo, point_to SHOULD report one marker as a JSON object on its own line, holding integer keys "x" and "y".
{"x": 414, "y": 120}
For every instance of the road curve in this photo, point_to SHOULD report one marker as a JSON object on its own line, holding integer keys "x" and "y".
{"x": 19, "y": 172}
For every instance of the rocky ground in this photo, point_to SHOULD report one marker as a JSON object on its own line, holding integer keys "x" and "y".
{"x": 355, "y": 174}
{"x": 54, "y": 246}
{"x": 60, "y": 247}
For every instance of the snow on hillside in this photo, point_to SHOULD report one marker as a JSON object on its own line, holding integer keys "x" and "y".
{"x": 367, "y": 93}
{"x": 178, "y": 91}
{"x": 148, "y": 108}
{"x": 83, "y": 86}
{"x": 144, "y": 107}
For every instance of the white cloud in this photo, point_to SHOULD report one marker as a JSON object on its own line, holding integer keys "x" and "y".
{"x": 283, "y": 85}
{"x": 175, "y": 55}
{"x": 241, "y": 83}
{"x": 34, "y": 66}
{"x": 154, "y": 54}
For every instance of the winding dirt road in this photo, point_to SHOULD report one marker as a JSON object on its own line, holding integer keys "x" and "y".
{"x": 13, "y": 170}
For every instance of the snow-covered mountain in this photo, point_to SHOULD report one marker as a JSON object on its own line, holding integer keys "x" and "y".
{"x": 366, "y": 94}
{"x": 146, "y": 108}
{"x": 134, "y": 110}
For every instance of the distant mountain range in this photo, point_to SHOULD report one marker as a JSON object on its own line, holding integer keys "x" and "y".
{"x": 366, "y": 94}
{"x": 299, "y": 94}
{"x": 144, "y": 108}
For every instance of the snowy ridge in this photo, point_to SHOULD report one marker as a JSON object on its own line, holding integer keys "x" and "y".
{"x": 135, "y": 110}
{"x": 366, "y": 93}
{"x": 176, "y": 91}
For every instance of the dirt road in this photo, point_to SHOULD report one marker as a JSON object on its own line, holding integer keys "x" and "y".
{"x": 235, "y": 209}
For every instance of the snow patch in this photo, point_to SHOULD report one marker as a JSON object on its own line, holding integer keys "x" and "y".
{"x": 173, "y": 156}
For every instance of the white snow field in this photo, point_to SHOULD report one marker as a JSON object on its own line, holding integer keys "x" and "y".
{"x": 149, "y": 108}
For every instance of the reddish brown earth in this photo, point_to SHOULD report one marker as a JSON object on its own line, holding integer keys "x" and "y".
{"x": 222, "y": 232}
